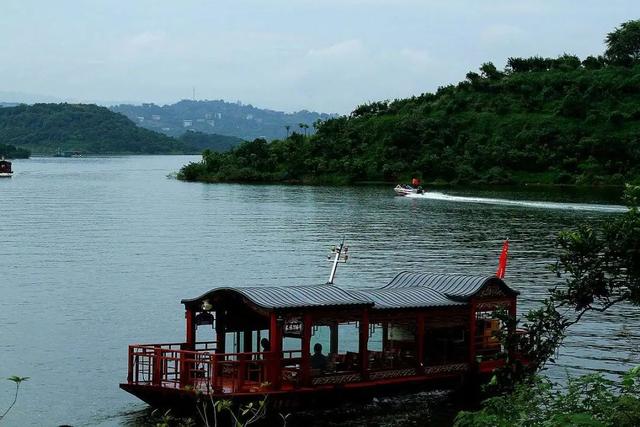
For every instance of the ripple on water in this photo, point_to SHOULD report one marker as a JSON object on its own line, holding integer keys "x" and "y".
{"x": 97, "y": 253}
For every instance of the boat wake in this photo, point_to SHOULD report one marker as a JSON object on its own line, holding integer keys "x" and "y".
{"x": 520, "y": 203}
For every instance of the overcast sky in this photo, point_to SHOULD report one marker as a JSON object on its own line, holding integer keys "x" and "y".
{"x": 325, "y": 55}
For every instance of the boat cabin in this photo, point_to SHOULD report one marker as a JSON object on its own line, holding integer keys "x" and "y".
{"x": 5, "y": 168}
{"x": 308, "y": 340}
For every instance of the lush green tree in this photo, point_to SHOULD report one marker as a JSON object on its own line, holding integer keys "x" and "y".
{"x": 623, "y": 44}
{"x": 590, "y": 400}
{"x": 601, "y": 267}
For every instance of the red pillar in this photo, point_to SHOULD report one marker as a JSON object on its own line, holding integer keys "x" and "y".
{"x": 472, "y": 332}
{"x": 363, "y": 344}
{"x": 275, "y": 339}
{"x": 189, "y": 345}
{"x": 221, "y": 332}
{"x": 190, "y": 341}
{"x": 420, "y": 343}
{"x": 305, "y": 363}
{"x": 130, "y": 369}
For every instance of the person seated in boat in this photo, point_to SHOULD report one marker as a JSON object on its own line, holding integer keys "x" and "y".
{"x": 318, "y": 361}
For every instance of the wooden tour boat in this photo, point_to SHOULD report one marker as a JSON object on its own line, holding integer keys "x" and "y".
{"x": 418, "y": 330}
{"x": 5, "y": 168}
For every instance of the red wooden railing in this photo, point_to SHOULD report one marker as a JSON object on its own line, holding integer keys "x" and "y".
{"x": 166, "y": 365}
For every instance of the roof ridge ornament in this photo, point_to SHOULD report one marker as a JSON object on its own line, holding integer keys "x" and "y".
{"x": 339, "y": 254}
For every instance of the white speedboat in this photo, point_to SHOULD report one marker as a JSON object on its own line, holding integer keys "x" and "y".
{"x": 403, "y": 190}
{"x": 5, "y": 168}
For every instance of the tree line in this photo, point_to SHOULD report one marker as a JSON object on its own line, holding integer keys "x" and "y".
{"x": 11, "y": 152}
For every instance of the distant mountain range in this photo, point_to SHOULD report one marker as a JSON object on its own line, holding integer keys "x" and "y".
{"x": 90, "y": 129}
{"x": 224, "y": 118}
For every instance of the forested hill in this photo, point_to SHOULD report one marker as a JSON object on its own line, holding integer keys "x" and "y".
{"x": 225, "y": 118}
{"x": 47, "y": 128}
{"x": 540, "y": 120}
{"x": 11, "y": 152}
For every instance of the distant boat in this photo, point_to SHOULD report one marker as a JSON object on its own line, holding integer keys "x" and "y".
{"x": 61, "y": 153}
{"x": 5, "y": 169}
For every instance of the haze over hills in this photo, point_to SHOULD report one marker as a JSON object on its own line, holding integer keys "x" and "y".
{"x": 225, "y": 118}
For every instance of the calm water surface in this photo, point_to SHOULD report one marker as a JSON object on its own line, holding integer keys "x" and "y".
{"x": 96, "y": 254}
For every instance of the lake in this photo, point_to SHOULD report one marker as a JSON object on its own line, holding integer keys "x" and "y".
{"x": 97, "y": 252}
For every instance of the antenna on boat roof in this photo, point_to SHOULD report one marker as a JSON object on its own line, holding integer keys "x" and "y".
{"x": 339, "y": 254}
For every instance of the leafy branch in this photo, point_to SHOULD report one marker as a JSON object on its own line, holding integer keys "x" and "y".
{"x": 17, "y": 380}
{"x": 601, "y": 267}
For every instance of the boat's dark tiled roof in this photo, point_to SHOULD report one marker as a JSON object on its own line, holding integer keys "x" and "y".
{"x": 406, "y": 290}
{"x": 455, "y": 286}
{"x": 293, "y": 296}
{"x": 405, "y": 298}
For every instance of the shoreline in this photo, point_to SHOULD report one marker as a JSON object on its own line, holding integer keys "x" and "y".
{"x": 433, "y": 184}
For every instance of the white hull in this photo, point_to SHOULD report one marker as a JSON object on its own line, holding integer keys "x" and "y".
{"x": 406, "y": 190}
{"x": 6, "y": 174}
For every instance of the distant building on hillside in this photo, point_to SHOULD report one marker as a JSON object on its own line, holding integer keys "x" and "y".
{"x": 140, "y": 119}
{"x": 155, "y": 117}
{"x": 187, "y": 123}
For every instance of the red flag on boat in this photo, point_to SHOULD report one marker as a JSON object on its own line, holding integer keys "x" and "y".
{"x": 502, "y": 264}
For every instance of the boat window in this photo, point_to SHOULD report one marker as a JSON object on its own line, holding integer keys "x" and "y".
{"x": 487, "y": 342}
{"x": 348, "y": 337}
{"x": 445, "y": 345}
{"x": 400, "y": 346}
{"x": 375, "y": 337}
{"x": 321, "y": 335}
{"x": 290, "y": 344}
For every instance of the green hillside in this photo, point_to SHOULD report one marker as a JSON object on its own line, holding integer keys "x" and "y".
{"x": 540, "y": 120}
{"x": 89, "y": 129}
{"x": 209, "y": 141}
